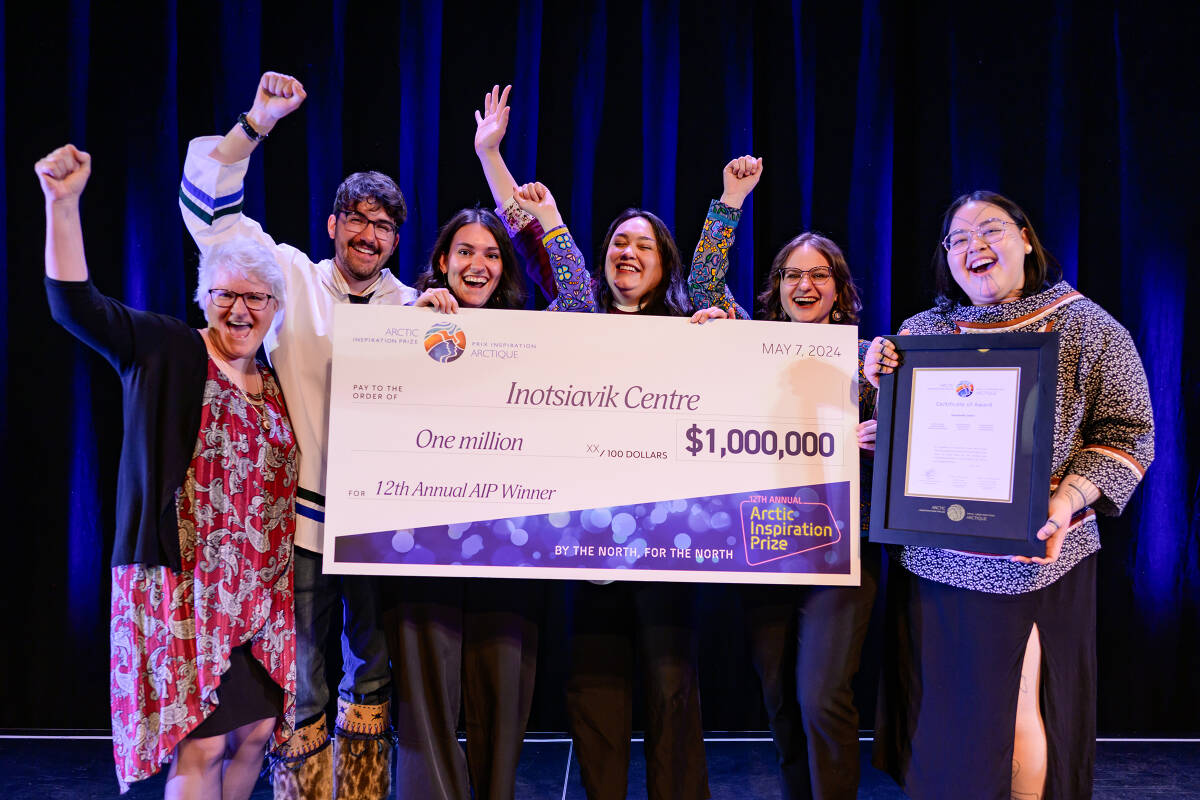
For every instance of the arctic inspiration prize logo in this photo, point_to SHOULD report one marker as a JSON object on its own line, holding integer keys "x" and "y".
{"x": 445, "y": 342}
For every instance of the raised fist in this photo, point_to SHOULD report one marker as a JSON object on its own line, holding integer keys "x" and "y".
{"x": 740, "y": 176}
{"x": 63, "y": 173}
{"x": 537, "y": 200}
{"x": 277, "y": 96}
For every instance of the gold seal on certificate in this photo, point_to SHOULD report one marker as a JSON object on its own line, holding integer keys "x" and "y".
{"x": 535, "y": 444}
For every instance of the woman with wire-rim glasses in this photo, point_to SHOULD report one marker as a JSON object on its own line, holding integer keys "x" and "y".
{"x": 990, "y": 680}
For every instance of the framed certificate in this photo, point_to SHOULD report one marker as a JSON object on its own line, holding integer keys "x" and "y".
{"x": 966, "y": 430}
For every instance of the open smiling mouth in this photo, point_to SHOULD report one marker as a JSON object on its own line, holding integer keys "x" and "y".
{"x": 627, "y": 266}
{"x": 475, "y": 281}
{"x": 805, "y": 302}
{"x": 980, "y": 265}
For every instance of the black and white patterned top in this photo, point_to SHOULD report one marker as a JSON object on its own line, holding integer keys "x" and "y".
{"x": 1103, "y": 427}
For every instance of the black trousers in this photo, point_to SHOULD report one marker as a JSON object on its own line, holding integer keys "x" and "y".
{"x": 952, "y": 671}
{"x": 806, "y": 643}
{"x": 454, "y": 643}
{"x": 609, "y": 625}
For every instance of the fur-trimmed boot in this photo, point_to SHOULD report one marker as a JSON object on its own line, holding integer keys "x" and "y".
{"x": 302, "y": 769}
{"x": 362, "y": 752}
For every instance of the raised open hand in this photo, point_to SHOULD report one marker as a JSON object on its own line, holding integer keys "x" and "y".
{"x": 493, "y": 122}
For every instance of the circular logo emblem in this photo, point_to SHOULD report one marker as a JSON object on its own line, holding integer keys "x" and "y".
{"x": 445, "y": 342}
{"x": 956, "y": 513}
{"x": 964, "y": 389}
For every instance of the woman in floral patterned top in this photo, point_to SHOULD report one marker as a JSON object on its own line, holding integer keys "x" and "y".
{"x": 202, "y": 631}
{"x": 642, "y": 273}
{"x": 994, "y": 686}
{"x": 806, "y": 642}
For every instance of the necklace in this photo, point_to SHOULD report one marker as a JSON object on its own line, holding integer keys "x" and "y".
{"x": 255, "y": 399}
{"x": 259, "y": 403}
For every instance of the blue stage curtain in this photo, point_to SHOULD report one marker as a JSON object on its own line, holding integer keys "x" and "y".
{"x": 871, "y": 118}
{"x": 239, "y": 37}
{"x": 87, "y": 562}
{"x": 870, "y": 214}
{"x": 1164, "y": 560}
{"x": 587, "y": 104}
{"x": 736, "y": 32}
{"x": 521, "y": 140}
{"x": 804, "y": 69}
{"x": 326, "y": 46}
{"x": 660, "y": 107}
{"x": 420, "y": 50}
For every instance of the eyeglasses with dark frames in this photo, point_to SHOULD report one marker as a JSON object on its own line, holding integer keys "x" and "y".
{"x": 226, "y": 298}
{"x": 357, "y": 223}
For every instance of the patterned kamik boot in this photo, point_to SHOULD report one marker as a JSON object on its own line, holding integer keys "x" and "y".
{"x": 362, "y": 752}
{"x": 302, "y": 769}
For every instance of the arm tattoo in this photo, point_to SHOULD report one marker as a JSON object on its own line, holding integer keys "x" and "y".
{"x": 1078, "y": 500}
{"x": 1080, "y": 492}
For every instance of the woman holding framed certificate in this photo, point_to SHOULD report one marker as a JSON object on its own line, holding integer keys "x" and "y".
{"x": 993, "y": 689}
{"x": 806, "y": 642}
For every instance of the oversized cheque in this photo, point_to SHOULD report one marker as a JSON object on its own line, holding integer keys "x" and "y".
{"x": 533, "y": 444}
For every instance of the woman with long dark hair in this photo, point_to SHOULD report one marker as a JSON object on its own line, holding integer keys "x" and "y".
{"x": 468, "y": 644}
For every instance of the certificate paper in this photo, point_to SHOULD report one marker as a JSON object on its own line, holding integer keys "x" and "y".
{"x": 552, "y": 445}
{"x": 962, "y": 433}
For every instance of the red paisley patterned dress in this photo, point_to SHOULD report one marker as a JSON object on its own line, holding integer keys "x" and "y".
{"x": 171, "y": 632}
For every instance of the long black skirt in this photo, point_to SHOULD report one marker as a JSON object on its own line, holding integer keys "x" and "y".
{"x": 246, "y": 694}
{"x": 952, "y": 671}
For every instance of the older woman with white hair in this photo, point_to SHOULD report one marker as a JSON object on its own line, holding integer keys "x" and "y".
{"x": 203, "y": 627}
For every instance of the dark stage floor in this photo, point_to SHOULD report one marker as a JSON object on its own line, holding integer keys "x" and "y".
{"x": 738, "y": 766}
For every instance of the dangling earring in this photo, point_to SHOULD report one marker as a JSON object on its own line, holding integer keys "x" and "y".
{"x": 837, "y": 315}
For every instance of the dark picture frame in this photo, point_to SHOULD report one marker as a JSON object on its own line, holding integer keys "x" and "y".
{"x": 977, "y": 525}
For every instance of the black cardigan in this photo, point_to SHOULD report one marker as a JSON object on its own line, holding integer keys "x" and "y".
{"x": 163, "y": 366}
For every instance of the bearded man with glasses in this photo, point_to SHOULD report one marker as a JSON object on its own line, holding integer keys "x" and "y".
{"x": 367, "y": 211}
